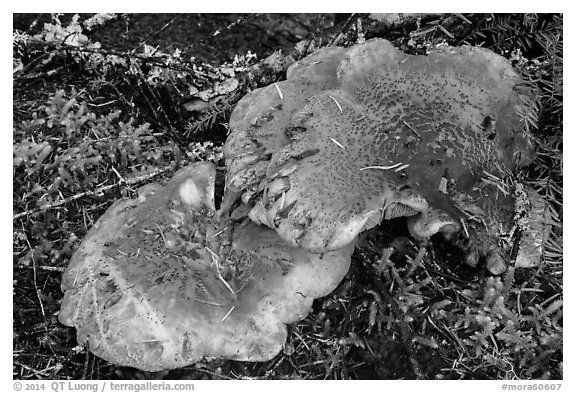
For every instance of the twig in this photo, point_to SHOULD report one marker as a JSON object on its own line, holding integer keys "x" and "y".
{"x": 446, "y": 31}
{"x": 210, "y": 303}
{"x": 51, "y": 268}
{"x": 465, "y": 227}
{"x": 228, "y": 313}
{"x": 161, "y": 233}
{"x": 40, "y": 61}
{"x": 401, "y": 168}
{"x": 38, "y": 292}
{"x": 338, "y": 143}
{"x": 86, "y": 361}
{"x": 156, "y": 33}
{"x": 34, "y": 23}
{"x": 351, "y": 21}
{"x": 121, "y": 179}
{"x": 334, "y": 99}
{"x": 313, "y": 37}
{"x": 222, "y": 376}
{"x": 51, "y": 48}
{"x": 412, "y": 129}
{"x": 216, "y": 261}
{"x": 218, "y": 32}
{"x": 143, "y": 84}
{"x": 32, "y": 370}
{"x": 461, "y": 16}
{"x": 96, "y": 192}
{"x": 279, "y": 92}
{"x": 423, "y": 31}
{"x": 219, "y": 232}
{"x": 46, "y": 74}
{"x": 381, "y": 167}
{"x": 233, "y": 24}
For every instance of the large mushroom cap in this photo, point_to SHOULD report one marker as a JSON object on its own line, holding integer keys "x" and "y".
{"x": 397, "y": 136}
{"x": 158, "y": 284}
{"x": 260, "y": 118}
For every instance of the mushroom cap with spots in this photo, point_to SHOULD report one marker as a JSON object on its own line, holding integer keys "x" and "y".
{"x": 158, "y": 283}
{"x": 392, "y": 135}
{"x": 259, "y": 121}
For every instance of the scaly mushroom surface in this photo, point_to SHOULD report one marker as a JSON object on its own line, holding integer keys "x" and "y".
{"x": 160, "y": 283}
{"x": 383, "y": 134}
{"x": 259, "y": 121}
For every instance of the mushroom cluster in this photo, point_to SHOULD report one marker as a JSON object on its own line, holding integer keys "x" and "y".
{"x": 158, "y": 283}
{"x": 351, "y": 137}
{"x": 356, "y": 136}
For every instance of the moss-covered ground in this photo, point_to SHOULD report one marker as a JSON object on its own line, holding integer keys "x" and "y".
{"x": 93, "y": 123}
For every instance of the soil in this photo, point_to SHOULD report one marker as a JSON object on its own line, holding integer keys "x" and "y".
{"x": 212, "y": 38}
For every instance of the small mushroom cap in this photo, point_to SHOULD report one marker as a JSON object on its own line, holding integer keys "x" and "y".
{"x": 158, "y": 283}
{"x": 383, "y": 141}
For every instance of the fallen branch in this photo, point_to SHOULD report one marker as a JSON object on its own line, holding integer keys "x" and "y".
{"x": 156, "y": 33}
{"x": 99, "y": 191}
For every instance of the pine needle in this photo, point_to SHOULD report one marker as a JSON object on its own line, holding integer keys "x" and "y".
{"x": 338, "y": 144}
{"x": 334, "y": 99}
{"x": 381, "y": 167}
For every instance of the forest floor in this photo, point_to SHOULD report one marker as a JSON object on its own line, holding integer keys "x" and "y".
{"x": 424, "y": 316}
